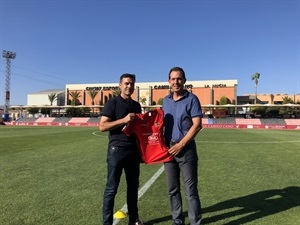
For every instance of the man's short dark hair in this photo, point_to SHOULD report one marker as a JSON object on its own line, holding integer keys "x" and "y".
{"x": 127, "y": 75}
{"x": 177, "y": 68}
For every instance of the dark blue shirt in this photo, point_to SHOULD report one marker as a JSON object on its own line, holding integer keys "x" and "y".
{"x": 179, "y": 114}
{"x": 117, "y": 108}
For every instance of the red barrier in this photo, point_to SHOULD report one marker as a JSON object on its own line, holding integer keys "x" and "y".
{"x": 52, "y": 124}
{"x": 233, "y": 126}
{"x": 251, "y": 126}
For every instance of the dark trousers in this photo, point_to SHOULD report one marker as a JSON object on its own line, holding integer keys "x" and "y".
{"x": 185, "y": 163}
{"x": 119, "y": 158}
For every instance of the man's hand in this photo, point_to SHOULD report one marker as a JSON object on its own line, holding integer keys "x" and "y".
{"x": 175, "y": 149}
{"x": 130, "y": 117}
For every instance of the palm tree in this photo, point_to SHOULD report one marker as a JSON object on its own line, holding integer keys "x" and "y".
{"x": 116, "y": 92}
{"x": 52, "y": 97}
{"x": 255, "y": 77}
{"x": 75, "y": 95}
{"x": 93, "y": 94}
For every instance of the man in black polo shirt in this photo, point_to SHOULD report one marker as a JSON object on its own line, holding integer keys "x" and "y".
{"x": 122, "y": 150}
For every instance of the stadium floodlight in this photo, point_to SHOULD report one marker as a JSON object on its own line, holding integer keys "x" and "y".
{"x": 8, "y": 55}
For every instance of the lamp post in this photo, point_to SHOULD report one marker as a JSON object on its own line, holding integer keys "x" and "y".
{"x": 8, "y": 55}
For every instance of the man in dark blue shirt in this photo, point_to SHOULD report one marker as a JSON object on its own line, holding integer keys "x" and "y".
{"x": 122, "y": 151}
{"x": 183, "y": 121}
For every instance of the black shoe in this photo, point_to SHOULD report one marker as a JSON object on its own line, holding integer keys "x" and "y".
{"x": 174, "y": 223}
{"x": 137, "y": 222}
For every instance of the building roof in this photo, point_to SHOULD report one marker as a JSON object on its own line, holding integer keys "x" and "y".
{"x": 50, "y": 91}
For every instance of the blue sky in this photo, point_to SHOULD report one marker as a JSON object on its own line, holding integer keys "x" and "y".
{"x": 62, "y": 42}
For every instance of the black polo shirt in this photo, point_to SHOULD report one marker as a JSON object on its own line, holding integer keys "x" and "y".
{"x": 117, "y": 108}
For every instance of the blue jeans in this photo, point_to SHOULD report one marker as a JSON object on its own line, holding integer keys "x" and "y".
{"x": 119, "y": 158}
{"x": 185, "y": 163}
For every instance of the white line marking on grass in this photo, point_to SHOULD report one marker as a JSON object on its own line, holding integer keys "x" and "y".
{"x": 143, "y": 190}
{"x": 96, "y": 133}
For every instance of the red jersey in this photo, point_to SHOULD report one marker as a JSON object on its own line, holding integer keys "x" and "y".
{"x": 148, "y": 128}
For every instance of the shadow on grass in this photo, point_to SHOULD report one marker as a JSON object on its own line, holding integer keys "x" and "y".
{"x": 247, "y": 208}
{"x": 252, "y": 207}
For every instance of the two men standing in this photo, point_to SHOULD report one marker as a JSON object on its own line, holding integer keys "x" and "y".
{"x": 183, "y": 120}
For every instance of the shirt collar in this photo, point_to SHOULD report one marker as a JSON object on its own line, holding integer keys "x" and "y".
{"x": 124, "y": 100}
{"x": 185, "y": 95}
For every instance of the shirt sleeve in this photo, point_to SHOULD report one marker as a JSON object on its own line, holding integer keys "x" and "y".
{"x": 108, "y": 109}
{"x": 196, "y": 109}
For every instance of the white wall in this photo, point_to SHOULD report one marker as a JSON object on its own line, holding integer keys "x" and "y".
{"x": 39, "y": 99}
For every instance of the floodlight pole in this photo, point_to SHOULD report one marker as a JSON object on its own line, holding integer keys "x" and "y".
{"x": 8, "y": 55}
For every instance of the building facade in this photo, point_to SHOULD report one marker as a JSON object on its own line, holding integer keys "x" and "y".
{"x": 268, "y": 98}
{"x": 150, "y": 93}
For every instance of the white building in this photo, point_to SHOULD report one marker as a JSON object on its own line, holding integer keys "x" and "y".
{"x": 42, "y": 98}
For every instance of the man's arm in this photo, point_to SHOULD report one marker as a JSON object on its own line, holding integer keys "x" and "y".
{"x": 107, "y": 125}
{"x": 193, "y": 131}
{"x": 190, "y": 135}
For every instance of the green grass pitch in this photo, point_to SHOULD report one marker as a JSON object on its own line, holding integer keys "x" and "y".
{"x": 56, "y": 176}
